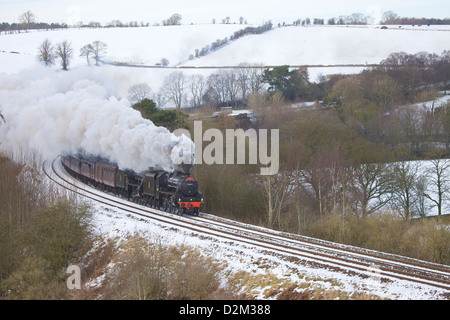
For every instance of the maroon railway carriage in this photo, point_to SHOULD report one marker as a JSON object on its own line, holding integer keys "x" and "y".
{"x": 109, "y": 174}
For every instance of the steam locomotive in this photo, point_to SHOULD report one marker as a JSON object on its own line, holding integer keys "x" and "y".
{"x": 174, "y": 192}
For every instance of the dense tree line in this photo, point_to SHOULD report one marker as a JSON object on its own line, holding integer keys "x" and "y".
{"x": 174, "y": 20}
{"x": 371, "y": 103}
{"x": 27, "y": 21}
{"x": 226, "y": 87}
{"x": 19, "y": 27}
{"x": 390, "y": 17}
{"x": 357, "y": 18}
{"x": 376, "y": 102}
{"x": 333, "y": 183}
{"x": 338, "y": 155}
{"x": 236, "y": 35}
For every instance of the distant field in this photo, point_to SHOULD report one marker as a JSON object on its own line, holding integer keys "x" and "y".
{"x": 313, "y": 45}
{"x": 328, "y": 45}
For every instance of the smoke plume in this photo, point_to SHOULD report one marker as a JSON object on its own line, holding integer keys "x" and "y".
{"x": 53, "y": 112}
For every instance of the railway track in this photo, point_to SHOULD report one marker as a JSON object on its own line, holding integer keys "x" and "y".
{"x": 386, "y": 267}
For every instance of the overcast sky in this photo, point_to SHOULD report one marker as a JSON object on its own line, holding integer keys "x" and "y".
{"x": 203, "y": 11}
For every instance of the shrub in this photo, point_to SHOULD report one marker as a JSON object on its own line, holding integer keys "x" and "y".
{"x": 423, "y": 239}
{"x": 41, "y": 233}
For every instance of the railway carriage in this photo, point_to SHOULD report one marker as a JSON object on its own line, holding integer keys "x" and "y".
{"x": 105, "y": 173}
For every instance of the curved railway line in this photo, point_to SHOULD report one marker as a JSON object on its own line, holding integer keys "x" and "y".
{"x": 327, "y": 254}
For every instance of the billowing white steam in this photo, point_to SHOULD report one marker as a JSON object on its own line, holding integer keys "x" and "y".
{"x": 54, "y": 112}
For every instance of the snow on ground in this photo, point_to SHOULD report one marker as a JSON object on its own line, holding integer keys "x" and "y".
{"x": 118, "y": 224}
{"x": 313, "y": 45}
{"x": 328, "y": 45}
{"x": 291, "y": 45}
{"x": 439, "y": 102}
{"x": 115, "y": 223}
{"x": 144, "y": 45}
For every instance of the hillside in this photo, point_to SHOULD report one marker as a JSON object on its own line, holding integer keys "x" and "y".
{"x": 328, "y": 45}
{"x": 145, "y": 45}
{"x": 314, "y": 45}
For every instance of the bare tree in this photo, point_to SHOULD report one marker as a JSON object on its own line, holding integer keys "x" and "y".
{"x": 278, "y": 190}
{"x": 164, "y": 62}
{"x": 138, "y": 92}
{"x": 65, "y": 52}
{"x": 421, "y": 206}
{"x": 226, "y": 20}
{"x": 86, "y": 51}
{"x": 243, "y": 79}
{"x": 98, "y": 49}
{"x": 160, "y": 99}
{"x": 443, "y": 115}
{"x": 174, "y": 20}
{"x": 217, "y": 88}
{"x": 405, "y": 188}
{"x": 197, "y": 88}
{"x": 409, "y": 121}
{"x": 371, "y": 187}
{"x": 256, "y": 82}
{"x": 174, "y": 87}
{"x": 249, "y": 79}
{"x": 225, "y": 84}
{"x": 439, "y": 178}
{"x": 390, "y": 17}
{"x": 320, "y": 181}
{"x": 27, "y": 18}
{"x": 383, "y": 90}
{"x": 45, "y": 53}
{"x": 231, "y": 84}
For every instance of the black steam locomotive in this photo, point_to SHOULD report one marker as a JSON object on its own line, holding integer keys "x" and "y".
{"x": 174, "y": 192}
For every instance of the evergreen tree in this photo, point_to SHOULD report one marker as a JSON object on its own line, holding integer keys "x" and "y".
{"x": 290, "y": 83}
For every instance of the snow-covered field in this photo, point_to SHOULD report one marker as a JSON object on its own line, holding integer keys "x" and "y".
{"x": 314, "y": 45}
{"x": 145, "y": 45}
{"x": 327, "y": 45}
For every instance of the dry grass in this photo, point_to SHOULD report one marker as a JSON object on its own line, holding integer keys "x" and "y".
{"x": 425, "y": 239}
{"x": 143, "y": 269}
{"x": 268, "y": 286}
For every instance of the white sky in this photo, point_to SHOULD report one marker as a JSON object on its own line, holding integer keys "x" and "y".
{"x": 203, "y": 11}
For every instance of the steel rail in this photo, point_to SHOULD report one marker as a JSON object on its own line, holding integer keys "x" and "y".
{"x": 325, "y": 258}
